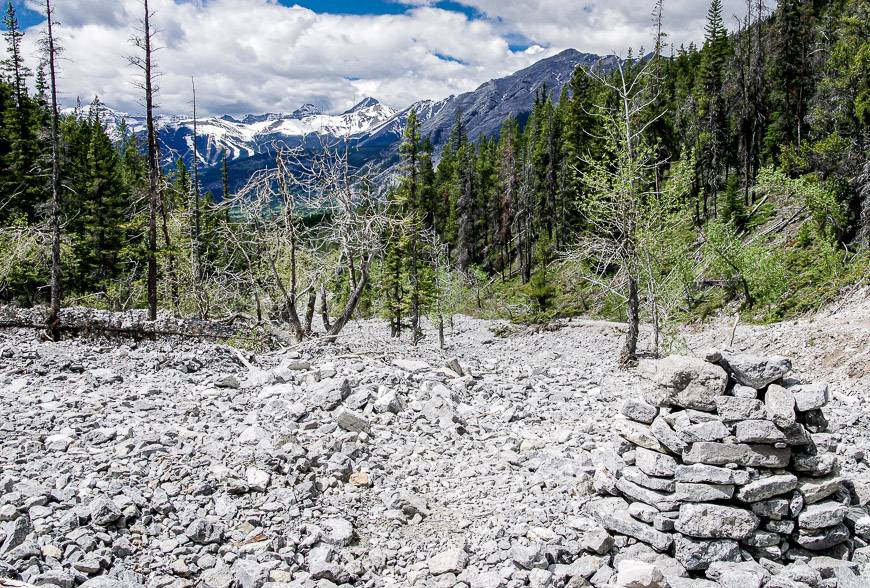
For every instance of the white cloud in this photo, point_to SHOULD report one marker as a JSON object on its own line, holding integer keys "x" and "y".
{"x": 258, "y": 55}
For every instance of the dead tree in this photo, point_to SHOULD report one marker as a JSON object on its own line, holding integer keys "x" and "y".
{"x": 144, "y": 41}
{"x": 298, "y": 258}
{"x": 196, "y": 224}
{"x": 51, "y": 50}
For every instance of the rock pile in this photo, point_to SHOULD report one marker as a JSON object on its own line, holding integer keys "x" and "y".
{"x": 723, "y": 465}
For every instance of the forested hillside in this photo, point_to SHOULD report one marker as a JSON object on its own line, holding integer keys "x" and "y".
{"x": 686, "y": 179}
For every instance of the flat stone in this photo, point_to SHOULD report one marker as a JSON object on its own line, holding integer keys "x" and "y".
{"x": 758, "y": 431}
{"x": 771, "y": 509}
{"x": 638, "y": 434}
{"x": 638, "y": 410}
{"x": 622, "y": 522}
{"x": 810, "y": 396}
{"x": 351, "y": 421}
{"x": 689, "y": 382}
{"x": 689, "y": 492}
{"x": 698, "y": 554}
{"x": 634, "y": 474}
{"x": 337, "y": 532}
{"x": 663, "y": 432}
{"x": 642, "y": 512}
{"x": 821, "y": 515}
{"x": 814, "y": 465}
{"x": 740, "y": 454}
{"x": 779, "y": 403}
{"x": 706, "y": 474}
{"x": 710, "y": 521}
{"x": 707, "y": 431}
{"x": 821, "y": 539}
{"x": 816, "y": 489}
{"x": 757, "y": 372}
{"x": 733, "y": 408}
{"x": 768, "y": 487}
{"x": 654, "y": 463}
{"x": 760, "y": 538}
{"x": 329, "y": 393}
{"x": 640, "y": 494}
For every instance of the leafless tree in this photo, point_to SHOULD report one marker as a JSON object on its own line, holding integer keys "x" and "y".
{"x": 298, "y": 259}
{"x": 144, "y": 42}
{"x": 196, "y": 224}
{"x": 51, "y": 50}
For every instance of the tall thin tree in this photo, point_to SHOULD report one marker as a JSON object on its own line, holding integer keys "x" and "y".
{"x": 196, "y": 225}
{"x": 145, "y": 63}
{"x": 51, "y": 50}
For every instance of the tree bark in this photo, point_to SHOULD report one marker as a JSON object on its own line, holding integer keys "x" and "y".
{"x": 153, "y": 172}
{"x": 629, "y": 351}
{"x": 353, "y": 301}
{"x": 53, "y": 323}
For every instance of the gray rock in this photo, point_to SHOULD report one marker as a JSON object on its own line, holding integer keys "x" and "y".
{"x": 638, "y": 410}
{"x": 780, "y": 405}
{"x": 734, "y": 408}
{"x": 707, "y": 474}
{"x": 638, "y": 434}
{"x": 637, "y": 574}
{"x": 698, "y": 554}
{"x": 663, "y": 432}
{"x": 772, "y": 509}
{"x": 452, "y": 560}
{"x": 337, "y": 531}
{"x": 352, "y": 421}
{"x": 688, "y": 492}
{"x": 741, "y": 454}
{"x": 810, "y": 396}
{"x": 622, "y": 522}
{"x": 757, "y": 372}
{"x": 709, "y": 521}
{"x": 640, "y": 494}
{"x": 16, "y": 533}
{"x": 745, "y": 574}
{"x": 597, "y": 540}
{"x": 653, "y": 463}
{"x": 767, "y": 487}
{"x": 389, "y": 401}
{"x": 758, "y": 431}
{"x": 822, "y": 514}
{"x": 820, "y": 539}
{"x": 688, "y": 382}
{"x": 328, "y": 394}
{"x": 204, "y": 532}
{"x": 814, "y": 465}
{"x": 104, "y": 511}
{"x": 633, "y": 474}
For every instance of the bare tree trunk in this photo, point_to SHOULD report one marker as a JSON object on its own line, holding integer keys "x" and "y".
{"x": 441, "y": 330}
{"x": 196, "y": 240}
{"x": 324, "y": 309}
{"x": 353, "y": 301}
{"x": 309, "y": 311}
{"x": 53, "y": 323}
{"x": 173, "y": 274}
{"x": 629, "y": 351}
{"x": 153, "y": 171}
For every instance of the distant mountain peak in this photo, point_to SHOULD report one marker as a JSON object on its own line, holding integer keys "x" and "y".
{"x": 306, "y": 110}
{"x": 364, "y": 104}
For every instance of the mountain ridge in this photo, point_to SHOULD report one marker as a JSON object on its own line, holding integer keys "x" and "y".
{"x": 374, "y": 129}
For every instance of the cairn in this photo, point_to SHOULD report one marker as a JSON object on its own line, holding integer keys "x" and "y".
{"x": 725, "y": 460}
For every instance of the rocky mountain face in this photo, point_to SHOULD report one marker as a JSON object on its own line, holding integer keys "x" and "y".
{"x": 374, "y": 129}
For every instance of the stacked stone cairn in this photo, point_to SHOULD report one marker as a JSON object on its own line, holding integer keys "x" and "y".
{"x": 722, "y": 467}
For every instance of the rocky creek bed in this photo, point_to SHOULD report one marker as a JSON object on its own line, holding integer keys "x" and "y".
{"x": 366, "y": 462}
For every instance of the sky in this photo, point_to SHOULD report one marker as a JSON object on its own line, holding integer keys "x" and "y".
{"x": 254, "y": 56}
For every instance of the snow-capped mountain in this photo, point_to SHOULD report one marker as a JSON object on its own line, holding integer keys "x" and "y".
{"x": 374, "y": 130}
{"x": 250, "y": 135}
